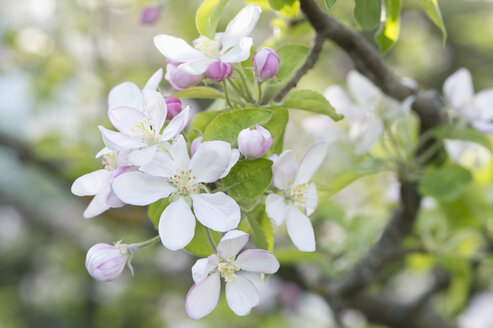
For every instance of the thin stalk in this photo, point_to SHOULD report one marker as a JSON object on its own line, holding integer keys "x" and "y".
{"x": 239, "y": 91}
{"x": 259, "y": 87}
{"x": 211, "y": 241}
{"x": 132, "y": 248}
{"x": 226, "y": 95}
{"x": 245, "y": 84}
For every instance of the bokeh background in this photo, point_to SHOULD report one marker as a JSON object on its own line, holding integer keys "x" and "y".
{"x": 58, "y": 61}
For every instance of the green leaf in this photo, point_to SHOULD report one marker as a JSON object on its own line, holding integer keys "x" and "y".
{"x": 461, "y": 278}
{"x": 156, "y": 209}
{"x": 464, "y": 134}
{"x": 367, "y": 13}
{"x": 388, "y": 33}
{"x": 207, "y": 16}
{"x": 277, "y": 126}
{"x": 445, "y": 183}
{"x": 329, "y": 4}
{"x": 248, "y": 179}
{"x": 200, "y": 245}
{"x": 227, "y": 126}
{"x": 311, "y": 101}
{"x": 287, "y": 8}
{"x": 433, "y": 11}
{"x": 199, "y": 92}
{"x": 287, "y": 256}
{"x": 201, "y": 121}
{"x": 261, "y": 228}
{"x": 291, "y": 58}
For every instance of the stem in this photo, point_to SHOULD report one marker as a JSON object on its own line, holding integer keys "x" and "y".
{"x": 211, "y": 241}
{"x": 239, "y": 91}
{"x": 226, "y": 94}
{"x": 245, "y": 84}
{"x": 259, "y": 87}
{"x": 132, "y": 248}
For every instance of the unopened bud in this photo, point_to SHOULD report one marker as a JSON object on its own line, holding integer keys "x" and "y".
{"x": 254, "y": 143}
{"x": 149, "y": 15}
{"x": 266, "y": 63}
{"x": 180, "y": 79}
{"x": 106, "y": 262}
{"x": 219, "y": 71}
{"x": 174, "y": 107}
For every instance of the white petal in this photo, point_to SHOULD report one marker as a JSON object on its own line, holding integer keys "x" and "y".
{"x": 160, "y": 166}
{"x": 275, "y": 208}
{"x": 202, "y": 298}
{"x": 311, "y": 199}
{"x": 210, "y": 160}
{"x": 176, "y": 49}
{"x": 241, "y": 295}
{"x": 239, "y": 52}
{"x": 363, "y": 90}
{"x": 125, "y": 118}
{"x": 137, "y": 188}
{"x": 310, "y": 162}
{"x": 119, "y": 141}
{"x": 196, "y": 67}
{"x": 369, "y": 136}
{"x": 177, "y": 225}
{"x": 154, "y": 80}
{"x": 458, "y": 88}
{"x": 241, "y": 26}
{"x": 126, "y": 94}
{"x": 339, "y": 99}
{"x": 483, "y": 127}
{"x": 91, "y": 183}
{"x": 257, "y": 260}
{"x": 104, "y": 151}
{"x": 98, "y": 204}
{"x": 217, "y": 211}
{"x": 284, "y": 169}
{"x": 300, "y": 230}
{"x": 179, "y": 153}
{"x": 176, "y": 125}
{"x": 143, "y": 156}
{"x": 235, "y": 156}
{"x": 203, "y": 267}
{"x": 484, "y": 101}
{"x": 231, "y": 243}
{"x": 155, "y": 108}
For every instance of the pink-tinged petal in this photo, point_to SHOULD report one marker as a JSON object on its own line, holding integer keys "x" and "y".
{"x": 154, "y": 80}
{"x": 203, "y": 267}
{"x": 196, "y": 67}
{"x": 160, "y": 166}
{"x": 483, "y": 127}
{"x": 240, "y": 26}
{"x": 231, "y": 243}
{"x": 124, "y": 119}
{"x": 284, "y": 169}
{"x": 195, "y": 144}
{"x": 176, "y": 49}
{"x": 363, "y": 90}
{"x": 177, "y": 225}
{"x": 217, "y": 211}
{"x": 105, "y": 262}
{"x": 339, "y": 99}
{"x": 91, "y": 183}
{"x": 176, "y": 125}
{"x": 113, "y": 201}
{"x": 241, "y": 295}
{"x": 143, "y": 156}
{"x": 276, "y": 208}
{"x": 119, "y": 141}
{"x": 202, "y": 298}
{"x": 484, "y": 101}
{"x": 137, "y": 188}
{"x": 179, "y": 153}
{"x": 310, "y": 162}
{"x": 300, "y": 230}
{"x": 235, "y": 156}
{"x": 126, "y": 94}
{"x": 458, "y": 88}
{"x": 98, "y": 204}
{"x": 311, "y": 199}
{"x": 257, "y": 260}
{"x": 238, "y": 53}
{"x": 155, "y": 108}
{"x": 210, "y": 161}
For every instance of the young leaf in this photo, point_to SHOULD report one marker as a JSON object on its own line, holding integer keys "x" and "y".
{"x": 200, "y": 245}
{"x": 156, "y": 209}
{"x": 199, "y": 92}
{"x": 277, "y": 126}
{"x": 227, "y": 126}
{"x": 291, "y": 58}
{"x": 201, "y": 121}
{"x": 444, "y": 183}
{"x": 388, "y": 33}
{"x": 248, "y": 179}
{"x": 287, "y": 8}
{"x": 367, "y": 13}
{"x": 261, "y": 228}
{"x": 433, "y": 11}
{"x": 207, "y": 16}
{"x": 311, "y": 101}
{"x": 329, "y": 4}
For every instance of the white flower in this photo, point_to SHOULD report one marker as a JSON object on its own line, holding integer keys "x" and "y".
{"x": 232, "y": 46}
{"x": 182, "y": 179}
{"x": 367, "y": 113}
{"x": 99, "y": 183}
{"x": 475, "y": 109}
{"x": 468, "y": 154}
{"x": 241, "y": 293}
{"x": 298, "y": 197}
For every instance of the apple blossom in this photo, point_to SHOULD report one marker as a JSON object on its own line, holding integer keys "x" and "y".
{"x": 106, "y": 262}
{"x": 297, "y": 197}
{"x": 232, "y": 46}
{"x": 174, "y": 107}
{"x": 254, "y": 143}
{"x": 195, "y": 144}
{"x": 241, "y": 293}
{"x": 266, "y": 63}
{"x": 175, "y": 175}
{"x": 475, "y": 109}
{"x": 219, "y": 71}
{"x": 179, "y": 79}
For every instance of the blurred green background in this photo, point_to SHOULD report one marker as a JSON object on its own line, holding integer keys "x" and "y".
{"x": 58, "y": 61}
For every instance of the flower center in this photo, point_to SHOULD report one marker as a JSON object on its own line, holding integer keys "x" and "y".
{"x": 109, "y": 161}
{"x": 184, "y": 183}
{"x": 228, "y": 269}
{"x": 208, "y": 47}
{"x": 145, "y": 129}
{"x": 298, "y": 193}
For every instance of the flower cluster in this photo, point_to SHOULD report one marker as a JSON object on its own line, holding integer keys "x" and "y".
{"x": 148, "y": 158}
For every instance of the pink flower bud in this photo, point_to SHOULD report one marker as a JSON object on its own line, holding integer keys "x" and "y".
{"x": 254, "y": 143}
{"x": 174, "y": 107}
{"x": 179, "y": 79}
{"x": 149, "y": 15}
{"x": 195, "y": 144}
{"x": 106, "y": 262}
{"x": 219, "y": 71}
{"x": 266, "y": 63}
